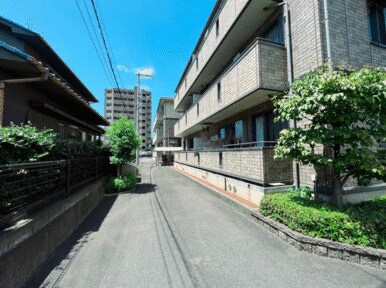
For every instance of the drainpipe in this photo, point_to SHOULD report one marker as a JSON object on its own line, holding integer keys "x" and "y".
{"x": 290, "y": 79}
{"x": 43, "y": 77}
{"x": 328, "y": 39}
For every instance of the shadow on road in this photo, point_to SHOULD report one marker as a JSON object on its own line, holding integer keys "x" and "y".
{"x": 62, "y": 257}
{"x": 145, "y": 188}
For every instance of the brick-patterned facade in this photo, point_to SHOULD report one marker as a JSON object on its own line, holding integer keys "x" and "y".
{"x": 218, "y": 89}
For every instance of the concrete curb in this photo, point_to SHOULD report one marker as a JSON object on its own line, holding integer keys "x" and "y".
{"x": 375, "y": 258}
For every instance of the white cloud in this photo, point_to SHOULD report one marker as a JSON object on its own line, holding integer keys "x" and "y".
{"x": 123, "y": 68}
{"x": 145, "y": 71}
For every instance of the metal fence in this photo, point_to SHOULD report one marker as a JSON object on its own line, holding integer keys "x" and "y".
{"x": 26, "y": 188}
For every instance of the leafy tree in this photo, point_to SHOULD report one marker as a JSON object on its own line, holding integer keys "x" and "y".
{"x": 342, "y": 114}
{"x": 124, "y": 140}
{"x": 24, "y": 143}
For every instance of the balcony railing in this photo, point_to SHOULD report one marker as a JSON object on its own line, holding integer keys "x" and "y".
{"x": 260, "y": 71}
{"x": 253, "y": 164}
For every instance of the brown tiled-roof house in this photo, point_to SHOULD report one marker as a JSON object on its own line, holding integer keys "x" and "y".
{"x": 36, "y": 86}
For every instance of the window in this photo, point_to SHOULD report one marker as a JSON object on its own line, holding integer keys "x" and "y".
{"x": 219, "y": 91}
{"x": 197, "y": 63}
{"x": 267, "y": 131}
{"x": 198, "y": 108}
{"x": 220, "y": 160}
{"x": 186, "y": 118}
{"x": 239, "y": 131}
{"x": 222, "y": 133}
{"x": 217, "y": 27}
{"x": 275, "y": 33}
{"x": 377, "y": 22}
{"x": 185, "y": 83}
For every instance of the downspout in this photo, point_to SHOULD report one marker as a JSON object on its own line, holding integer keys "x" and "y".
{"x": 328, "y": 39}
{"x": 290, "y": 79}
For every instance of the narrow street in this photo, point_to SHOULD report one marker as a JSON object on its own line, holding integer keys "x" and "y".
{"x": 173, "y": 233}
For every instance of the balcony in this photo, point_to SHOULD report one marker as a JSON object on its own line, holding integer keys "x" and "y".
{"x": 259, "y": 72}
{"x": 238, "y": 22}
{"x": 255, "y": 165}
{"x": 158, "y": 137}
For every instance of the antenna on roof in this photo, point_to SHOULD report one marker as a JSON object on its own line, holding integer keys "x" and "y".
{"x": 28, "y": 24}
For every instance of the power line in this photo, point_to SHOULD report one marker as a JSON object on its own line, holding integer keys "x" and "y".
{"x": 92, "y": 40}
{"x": 108, "y": 54}
{"x": 96, "y": 35}
{"x": 109, "y": 44}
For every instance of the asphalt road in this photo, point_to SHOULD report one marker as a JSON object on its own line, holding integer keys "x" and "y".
{"x": 174, "y": 233}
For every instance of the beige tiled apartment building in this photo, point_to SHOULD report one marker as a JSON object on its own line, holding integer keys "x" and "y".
{"x": 164, "y": 141}
{"x": 123, "y": 102}
{"x": 240, "y": 62}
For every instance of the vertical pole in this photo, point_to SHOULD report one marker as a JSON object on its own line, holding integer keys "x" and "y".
{"x": 290, "y": 78}
{"x": 137, "y": 116}
{"x": 328, "y": 39}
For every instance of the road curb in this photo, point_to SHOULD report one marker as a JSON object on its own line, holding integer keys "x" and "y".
{"x": 375, "y": 258}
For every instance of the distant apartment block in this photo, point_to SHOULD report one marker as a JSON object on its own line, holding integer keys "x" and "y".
{"x": 37, "y": 87}
{"x": 164, "y": 140}
{"x": 239, "y": 62}
{"x": 123, "y": 102}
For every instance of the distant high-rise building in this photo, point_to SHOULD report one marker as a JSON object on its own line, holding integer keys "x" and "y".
{"x": 123, "y": 102}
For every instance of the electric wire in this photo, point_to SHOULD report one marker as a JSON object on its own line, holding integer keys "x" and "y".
{"x": 92, "y": 40}
{"x": 109, "y": 43}
{"x": 108, "y": 54}
{"x": 96, "y": 36}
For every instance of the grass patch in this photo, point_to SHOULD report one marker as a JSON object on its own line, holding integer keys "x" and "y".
{"x": 362, "y": 224}
{"x": 121, "y": 184}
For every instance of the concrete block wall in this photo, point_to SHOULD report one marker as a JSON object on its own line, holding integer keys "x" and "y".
{"x": 24, "y": 248}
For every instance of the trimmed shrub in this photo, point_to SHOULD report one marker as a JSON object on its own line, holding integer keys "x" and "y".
{"x": 362, "y": 224}
{"x": 65, "y": 149}
{"x": 24, "y": 143}
{"x": 121, "y": 184}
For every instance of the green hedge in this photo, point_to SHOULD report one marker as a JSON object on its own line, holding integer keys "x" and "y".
{"x": 362, "y": 224}
{"x": 121, "y": 184}
{"x": 25, "y": 143}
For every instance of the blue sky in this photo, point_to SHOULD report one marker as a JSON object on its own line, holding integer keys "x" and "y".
{"x": 160, "y": 34}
